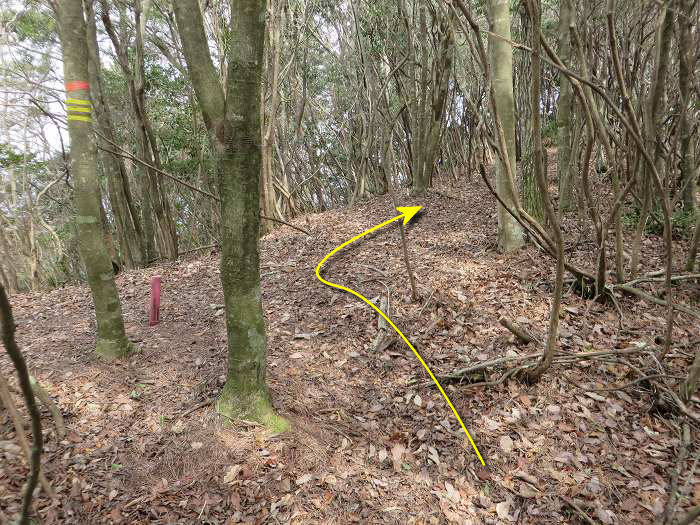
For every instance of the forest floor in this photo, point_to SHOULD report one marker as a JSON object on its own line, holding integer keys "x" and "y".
{"x": 372, "y": 441}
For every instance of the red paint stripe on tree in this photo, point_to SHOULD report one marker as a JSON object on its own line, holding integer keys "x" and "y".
{"x": 77, "y": 85}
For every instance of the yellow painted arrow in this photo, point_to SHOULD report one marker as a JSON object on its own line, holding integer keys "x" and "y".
{"x": 407, "y": 213}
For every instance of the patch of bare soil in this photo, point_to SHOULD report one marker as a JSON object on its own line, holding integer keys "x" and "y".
{"x": 372, "y": 441}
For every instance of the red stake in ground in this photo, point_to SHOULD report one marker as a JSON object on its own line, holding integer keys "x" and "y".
{"x": 155, "y": 301}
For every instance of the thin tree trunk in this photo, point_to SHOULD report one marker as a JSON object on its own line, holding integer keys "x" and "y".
{"x": 565, "y": 110}
{"x": 686, "y": 68}
{"x": 269, "y": 117}
{"x": 690, "y": 385}
{"x": 553, "y": 334}
{"x": 7, "y": 324}
{"x": 166, "y": 230}
{"x": 127, "y": 222}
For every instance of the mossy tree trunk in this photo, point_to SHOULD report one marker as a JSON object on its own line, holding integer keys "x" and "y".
{"x": 232, "y": 117}
{"x": 111, "y": 338}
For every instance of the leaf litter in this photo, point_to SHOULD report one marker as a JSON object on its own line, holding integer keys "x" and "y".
{"x": 370, "y": 443}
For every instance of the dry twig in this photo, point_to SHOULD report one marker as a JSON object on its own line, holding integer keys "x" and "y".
{"x": 571, "y": 503}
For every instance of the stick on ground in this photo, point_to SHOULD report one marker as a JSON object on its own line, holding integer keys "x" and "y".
{"x": 517, "y": 330}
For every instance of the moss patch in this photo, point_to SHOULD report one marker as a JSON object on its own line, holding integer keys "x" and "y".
{"x": 253, "y": 407}
{"x": 111, "y": 349}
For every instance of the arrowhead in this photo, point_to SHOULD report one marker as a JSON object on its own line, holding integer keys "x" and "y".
{"x": 408, "y": 212}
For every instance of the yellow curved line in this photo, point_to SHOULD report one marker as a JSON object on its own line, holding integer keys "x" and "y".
{"x": 356, "y": 294}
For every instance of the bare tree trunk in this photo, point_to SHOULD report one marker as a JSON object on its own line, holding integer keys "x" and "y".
{"x": 534, "y": 375}
{"x": 126, "y": 219}
{"x": 166, "y": 231}
{"x": 7, "y": 324}
{"x": 686, "y": 66}
{"x": 565, "y": 110}
{"x": 275, "y": 27}
{"x": 510, "y": 233}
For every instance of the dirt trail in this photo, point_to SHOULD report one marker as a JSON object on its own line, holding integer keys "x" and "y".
{"x": 370, "y": 444}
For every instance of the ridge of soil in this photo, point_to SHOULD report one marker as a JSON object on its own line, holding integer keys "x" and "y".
{"x": 370, "y": 443}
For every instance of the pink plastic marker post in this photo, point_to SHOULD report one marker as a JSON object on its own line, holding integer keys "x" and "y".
{"x": 155, "y": 301}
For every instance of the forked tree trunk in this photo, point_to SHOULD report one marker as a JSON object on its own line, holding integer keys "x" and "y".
{"x": 111, "y": 338}
{"x": 232, "y": 118}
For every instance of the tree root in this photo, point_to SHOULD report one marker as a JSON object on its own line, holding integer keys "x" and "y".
{"x": 518, "y": 331}
{"x": 203, "y": 404}
{"x": 50, "y": 405}
{"x": 253, "y": 406}
{"x": 559, "y": 358}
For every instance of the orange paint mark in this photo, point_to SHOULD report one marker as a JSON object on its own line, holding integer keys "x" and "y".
{"x": 77, "y": 85}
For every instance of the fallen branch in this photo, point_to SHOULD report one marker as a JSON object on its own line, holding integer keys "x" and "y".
{"x": 655, "y": 279}
{"x": 571, "y": 503}
{"x": 517, "y": 330}
{"x": 653, "y": 299}
{"x": 203, "y": 404}
{"x": 559, "y": 358}
{"x": 192, "y": 250}
{"x": 627, "y": 385}
{"x": 51, "y": 406}
{"x": 297, "y": 228}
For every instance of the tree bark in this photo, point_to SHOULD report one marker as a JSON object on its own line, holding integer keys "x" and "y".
{"x": 125, "y": 215}
{"x": 510, "y": 234}
{"x": 111, "y": 338}
{"x": 686, "y": 68}
{"x": 232, "y": 118}
{"x": 531, "y": 197}
{"x": 565, "y": 110}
